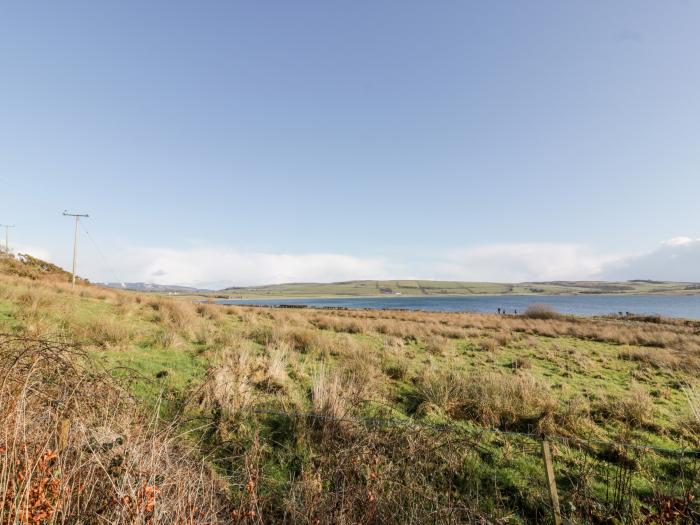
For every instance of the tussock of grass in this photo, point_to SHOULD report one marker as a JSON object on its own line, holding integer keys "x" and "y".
{"x": 493, "y": 400}
{"x": 693, "y": 397}
{"x": 276, "y": 377}
{"x": 229, "y": 387}
{"x": 656, "y": 357}
{"x": 635, "y": 408}
{"x": 329, "y": 396}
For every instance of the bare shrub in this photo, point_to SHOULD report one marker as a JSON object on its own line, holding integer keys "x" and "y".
{"x": 541, "y": 311}
{"x": 74, "y": 448}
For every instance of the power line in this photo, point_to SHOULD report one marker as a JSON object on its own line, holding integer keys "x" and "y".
{"x": 101, "y": 254}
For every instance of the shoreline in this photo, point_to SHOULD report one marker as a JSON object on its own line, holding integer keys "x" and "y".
{"x": 460, "y": 296}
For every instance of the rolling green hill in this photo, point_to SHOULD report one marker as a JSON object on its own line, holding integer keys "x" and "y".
{"x": 419, "y": 288}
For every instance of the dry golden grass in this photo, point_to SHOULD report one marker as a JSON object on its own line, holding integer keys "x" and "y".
{"x": 276, "y": 377}
{"x": 230, "y": 385}
{"x": 514, "y": 401}
{"x": 329, "y": 396}
{"x": 656, "y": 357}
{"x": 693, "y": 397}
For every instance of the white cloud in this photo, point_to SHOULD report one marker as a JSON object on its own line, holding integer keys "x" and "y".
{"x": 679, "y": 241}
{"x": 677, "y": 259}
{"x": 523, "y": 262}
{"x": 34, "y": 251}
{"x": 218, "y": 267}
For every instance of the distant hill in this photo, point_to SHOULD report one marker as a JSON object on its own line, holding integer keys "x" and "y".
{"x": 160, "y": 288}
{"x": 422, "y": 288}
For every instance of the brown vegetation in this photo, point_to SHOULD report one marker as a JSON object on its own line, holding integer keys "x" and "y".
{"x": 75, "y": 449}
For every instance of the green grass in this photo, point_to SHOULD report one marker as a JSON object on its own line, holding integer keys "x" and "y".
{"x": 153, "y": 370}
{"x": 7, "y": 320}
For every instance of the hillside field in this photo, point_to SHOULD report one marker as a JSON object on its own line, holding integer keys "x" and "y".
{"x": 423, "y": 288}
{"x": 147, "y": 409}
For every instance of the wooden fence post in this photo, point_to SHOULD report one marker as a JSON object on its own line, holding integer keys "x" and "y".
{"x": 551, "y": 482}
{"x": 62, "y": 435}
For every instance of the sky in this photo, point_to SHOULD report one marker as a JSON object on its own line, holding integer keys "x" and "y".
{"x": 228, "y": 142}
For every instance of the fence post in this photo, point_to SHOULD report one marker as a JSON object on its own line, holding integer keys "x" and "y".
{"x": 551, "y": 482}
{"x": 62, "y": 435}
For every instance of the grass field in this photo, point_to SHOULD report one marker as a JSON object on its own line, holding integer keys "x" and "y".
{"x": 216, "y": 414}
{"x": 422, "y": 288}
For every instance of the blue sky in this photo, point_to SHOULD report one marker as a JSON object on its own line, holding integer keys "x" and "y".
{"x": 246, "y": 142}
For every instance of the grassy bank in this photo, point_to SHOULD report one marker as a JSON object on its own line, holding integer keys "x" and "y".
{"x": 321, "y": 416}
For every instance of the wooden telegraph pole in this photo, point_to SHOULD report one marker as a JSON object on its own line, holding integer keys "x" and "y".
{"x": 75, "y": 238}
{"x": 7, "y": 236}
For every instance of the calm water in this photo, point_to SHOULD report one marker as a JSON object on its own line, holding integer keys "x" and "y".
{"x": 687, "y": 306}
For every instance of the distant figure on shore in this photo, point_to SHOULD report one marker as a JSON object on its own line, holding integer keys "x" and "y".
{"x": 515, "y": 312}
{"x": 499, "y": 311}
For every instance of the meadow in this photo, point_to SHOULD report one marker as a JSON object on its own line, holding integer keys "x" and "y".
{"x": 136, "y": 408}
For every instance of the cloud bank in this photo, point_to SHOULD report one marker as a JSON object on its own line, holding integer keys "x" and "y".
{"x": 524, "y": 262}
{"x": 220, "y": 267}
{"x": 677, "y": 259}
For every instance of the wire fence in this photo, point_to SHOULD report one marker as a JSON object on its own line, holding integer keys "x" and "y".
{"x": 458, "y": 474}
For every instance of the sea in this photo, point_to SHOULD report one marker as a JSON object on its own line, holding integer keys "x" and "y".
{"x": 683, "y": 306}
